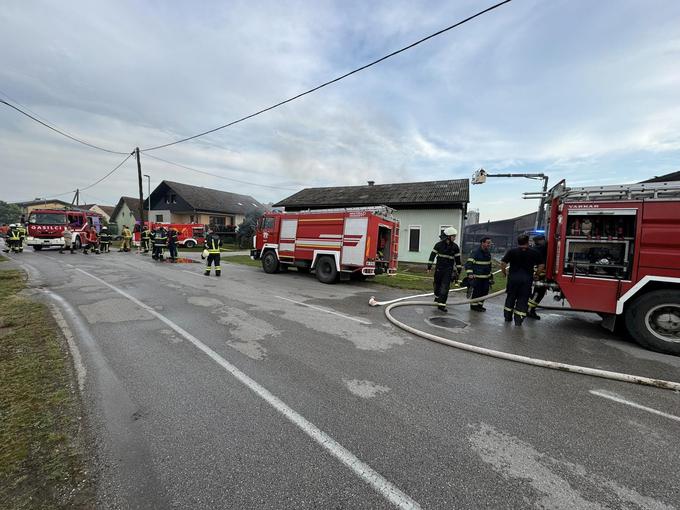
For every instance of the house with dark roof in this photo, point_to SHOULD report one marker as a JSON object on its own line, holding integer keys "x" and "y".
{"x": 673, "y": 176}
{"x": 126, "y": 213}
{"x": 424, "y": 209}
{"x": 105, "y": 210}
{"x": 174, "y": 202}
{"x": 42, "y": 203}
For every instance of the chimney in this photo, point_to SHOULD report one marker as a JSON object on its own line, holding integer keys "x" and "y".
{"x": 371, "y": 183}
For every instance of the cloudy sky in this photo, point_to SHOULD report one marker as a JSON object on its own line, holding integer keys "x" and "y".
{"x": 582, "y": 90}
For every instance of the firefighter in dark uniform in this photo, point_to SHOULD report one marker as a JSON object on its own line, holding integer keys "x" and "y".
{"x": 522, "y": 261}
{"x": 212, "y": 244}
{"x": 448, "y": 266}
{"x": 539, "y": 292}
{"x": 160, "y": 241}
{"x": 146, "y": 238}
{"x": 173, "y": 241}
{"x": 105, "y": 240}
{"x": 478, "y": 273}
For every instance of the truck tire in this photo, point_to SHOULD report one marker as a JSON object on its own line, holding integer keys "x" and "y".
{"x": 76, "y": 243}
{"x": 37, "y": 248}
{"x": 190, "y": 244}
{"x": 653, "y": 320}
{"x": 326, "y": 272}
{"x": 270, "y": 262}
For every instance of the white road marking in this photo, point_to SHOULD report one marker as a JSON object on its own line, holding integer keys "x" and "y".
{"x": 81, "y": 371}
{"x": 361, "y": 469}
{"x": 327, "y": 311}
{"x": 620, "y": 400}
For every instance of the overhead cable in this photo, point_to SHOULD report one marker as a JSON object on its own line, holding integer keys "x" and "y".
{"x": 108, "y": 174}
{"x": 331, "y": 81}
{"x": 216, "y": 175}
{"x": 62, "y": 133}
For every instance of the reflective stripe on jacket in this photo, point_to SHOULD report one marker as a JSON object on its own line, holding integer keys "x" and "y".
{"x": 479, "y": 263}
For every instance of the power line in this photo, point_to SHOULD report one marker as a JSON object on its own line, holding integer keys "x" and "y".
{"x": 108, "y": 174}
{"x": 331, "y": 81}
{"x": 62, "y": 133}
{"x": 216, "y": 175}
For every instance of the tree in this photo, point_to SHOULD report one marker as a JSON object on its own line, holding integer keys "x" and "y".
{"x": 9, "y": 213}
{"x": 246, "y": 230}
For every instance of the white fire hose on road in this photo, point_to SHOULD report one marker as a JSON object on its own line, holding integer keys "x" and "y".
{"x": 595, "y": 372}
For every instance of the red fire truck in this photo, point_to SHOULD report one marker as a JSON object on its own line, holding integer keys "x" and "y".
{"x": 336, "y": 243}
{"x": 46, "y": 226}
{"x": 615, "y": 250}
{"x": 190, "y": 234}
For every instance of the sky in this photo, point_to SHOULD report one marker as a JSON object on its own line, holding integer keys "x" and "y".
{"x": 579, "y": 90}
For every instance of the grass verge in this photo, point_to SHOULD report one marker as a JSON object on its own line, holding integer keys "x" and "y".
{"x": 42, "y": 460}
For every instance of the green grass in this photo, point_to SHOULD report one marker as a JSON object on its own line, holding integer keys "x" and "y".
{"x": 3, "y": 259}
{"x": 409, "y": 276}
{"x": 41, "y": 448}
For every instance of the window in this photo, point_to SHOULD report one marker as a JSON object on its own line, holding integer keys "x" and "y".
{"x": 268, "y": 223}
{"x": 216, "y": 220}
{"x": 414, "y": 238}
{"x": 191, "y": 219}
{"x": 47, "y": 219}
{"x": 159, "y": 218}
{"x": 173, "y": 199}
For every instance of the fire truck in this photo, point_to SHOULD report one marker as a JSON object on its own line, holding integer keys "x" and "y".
{"x": 335, "y": 243}
{"x": 615, "y": 250}
{"x": 46, "y": 226}
{"x": 189, "y": 234}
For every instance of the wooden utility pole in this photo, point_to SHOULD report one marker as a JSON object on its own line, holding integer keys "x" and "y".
{"x": 76, "y": 198}
{"x": 141, "y": 191}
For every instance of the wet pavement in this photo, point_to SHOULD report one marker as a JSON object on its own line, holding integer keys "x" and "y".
{"x": 168, "y": 355}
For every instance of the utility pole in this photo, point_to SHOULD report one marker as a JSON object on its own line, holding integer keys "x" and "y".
{"x": 76, "y": 198}
{"x": 141, "y": 191}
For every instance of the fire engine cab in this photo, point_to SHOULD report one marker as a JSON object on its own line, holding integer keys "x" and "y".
{"x": 615, "y": 250}
{"x": 336, "y": 243}
{"x": 46, "y": 227}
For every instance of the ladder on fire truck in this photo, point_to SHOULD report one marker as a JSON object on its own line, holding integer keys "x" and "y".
{"x": 639, "y": 191}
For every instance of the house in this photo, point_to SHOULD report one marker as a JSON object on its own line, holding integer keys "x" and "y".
{"x": 45, "y": 203}
{"x": 673, "y": 176}
{"x": 503, "y": 233}
{"x": 105, "y": 210}
{"x": 174, "y": 202}
{"x": 126, "y": 212}
{"x": 424, "y": 209}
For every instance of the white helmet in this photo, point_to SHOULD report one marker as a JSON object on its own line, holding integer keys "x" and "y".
{"x": 12, "y": 225}
{"x": 450, "y": 231}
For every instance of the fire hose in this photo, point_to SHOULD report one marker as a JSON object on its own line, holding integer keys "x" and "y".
{"x": 554, "y": 365}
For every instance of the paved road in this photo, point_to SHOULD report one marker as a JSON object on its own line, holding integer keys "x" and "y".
{"x": 275, "y": 391}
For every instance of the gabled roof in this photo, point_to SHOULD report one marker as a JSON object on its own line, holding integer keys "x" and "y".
{"x": 214, "y": 200}
{"x": 673, "y": 176}
{"x": 108, "y": 209}
{"x": 132, "y": 203}
{"x": 429, "y": 193}
{"x": 42, "y": 201}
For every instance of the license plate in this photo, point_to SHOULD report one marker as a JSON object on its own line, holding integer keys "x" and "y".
{"x": 46, "y": 241}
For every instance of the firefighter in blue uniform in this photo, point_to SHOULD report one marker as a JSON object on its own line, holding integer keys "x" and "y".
{"x": 478, "y": 273}
{"x": 539, "y": 292}
{"x": 523, "y": 260}
{"x": 173, "y": 242}
{"x": 212, "y": 244}
{"x": 160, "y": 241}
{"x": 448, "y": 266}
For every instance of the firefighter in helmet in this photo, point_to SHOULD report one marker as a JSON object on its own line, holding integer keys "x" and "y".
{"x": 160, "y": 241}
{"x": 105, "y": 240}
{"x": 173, "y": 242}
{"x": 447, "y": 268}
{"x": 13, "y": 239}
{"x": 146, "y": 238}
{"x": 22, "y": 234}
{"x": 212, "y": 244}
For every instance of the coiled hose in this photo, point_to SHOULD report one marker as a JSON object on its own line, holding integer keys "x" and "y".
{"x": 554, "y": 365}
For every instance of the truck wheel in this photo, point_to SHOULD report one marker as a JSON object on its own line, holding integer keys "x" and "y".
{"x": 190, "y": 244}
{"x": 653, "y": 320}
{"x": 76, "y": 243}
{"x": 326, "y": 272}
{"x": 270, "y": 262}
{"x": 37, "y": 248}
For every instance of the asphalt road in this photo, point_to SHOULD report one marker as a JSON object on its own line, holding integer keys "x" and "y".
{"x": 275, "y": 391}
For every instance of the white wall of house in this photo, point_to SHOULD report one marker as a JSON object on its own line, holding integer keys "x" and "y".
{"x": 99, "y": 210}
{"x": 124, "y": 217}
{"x": 424, "y": 225}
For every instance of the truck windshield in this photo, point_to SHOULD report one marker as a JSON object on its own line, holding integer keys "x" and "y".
{"x": 47, "y": 219}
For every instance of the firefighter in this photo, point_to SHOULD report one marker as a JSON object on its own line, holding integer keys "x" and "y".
{"x": 105, "y": 240}
{"x": 22, "y": 234}
{"x": 91, "y": 240}
{"x": 146, "y": 238}
{"x": 13, "y": 239}
{"x": 212, "y": 244}
{"x": 522, "y": 261}
{"x": 448, "y": 266}
{"x": 160, "y": 241}
{"x": 127, "y": 236}
{"x": 68, "y": 240}
{"x": 478, "y": 273}
{"x": 173, "y": 241}
{"x": 539, "y": 291}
